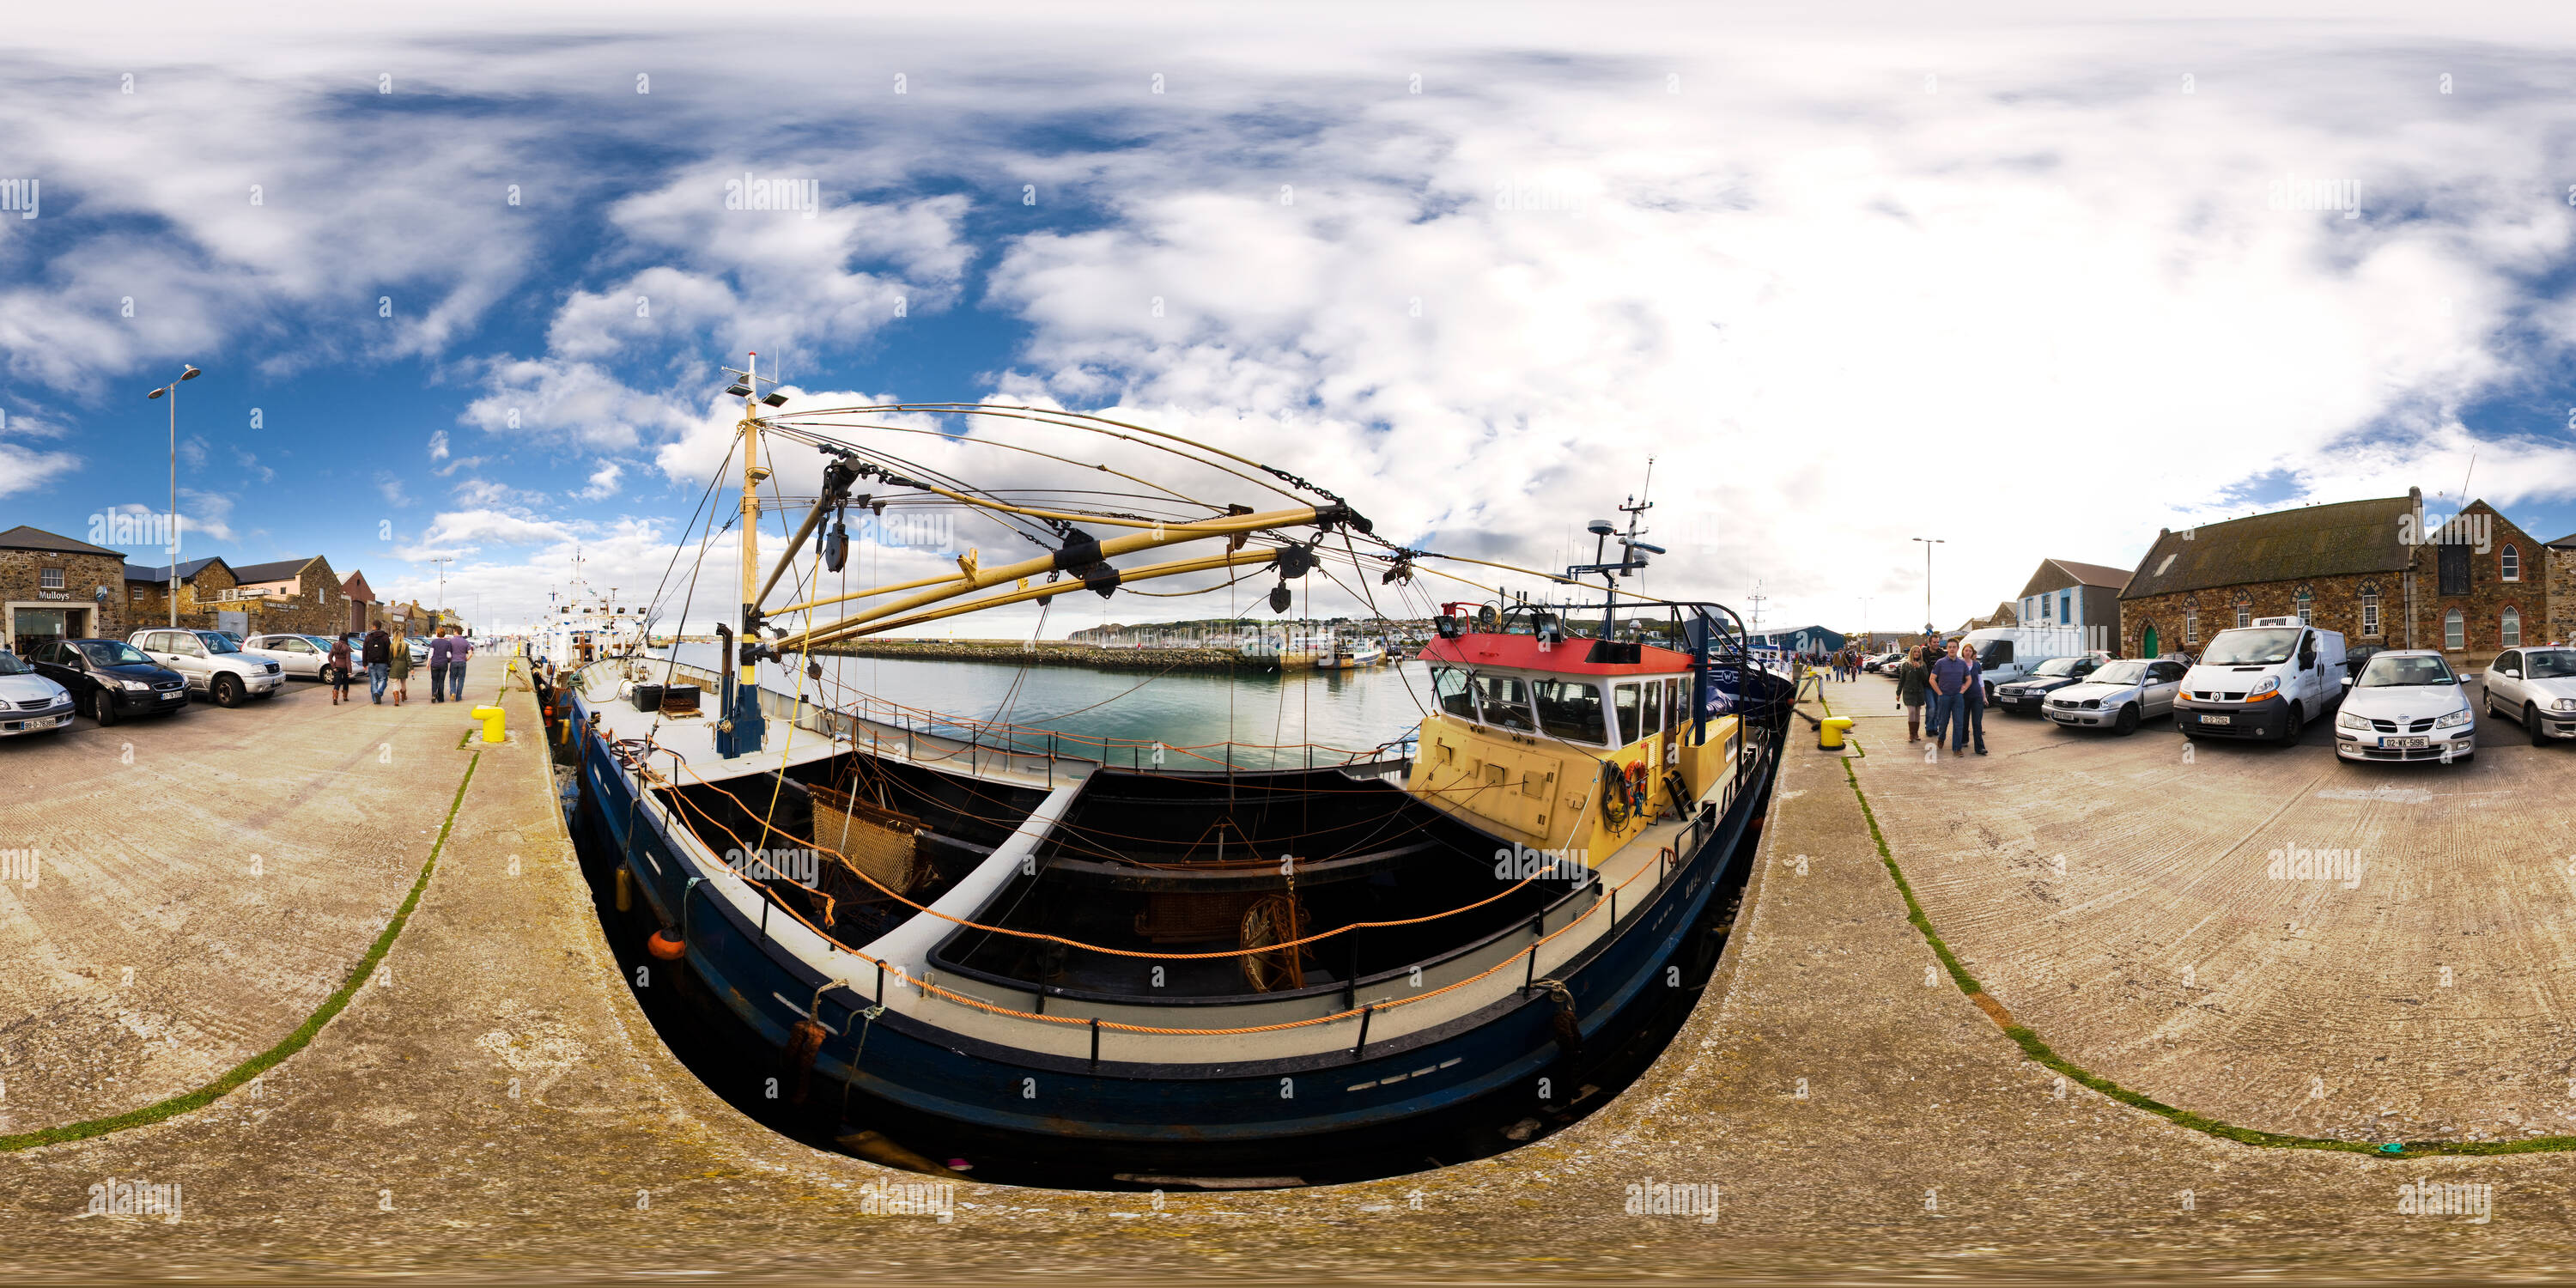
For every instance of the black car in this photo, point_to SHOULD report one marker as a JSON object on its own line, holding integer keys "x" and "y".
{"x": 110, "y": 679}
{"x": 2026, "y": 694}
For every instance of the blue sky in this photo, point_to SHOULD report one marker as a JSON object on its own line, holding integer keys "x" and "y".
{"x": 2037, "y": 288}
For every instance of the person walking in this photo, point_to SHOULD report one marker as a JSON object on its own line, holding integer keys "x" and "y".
{"x": 337, "y": 669}
{"x": 442, "y": 650}
{"x": 1950, "y": 678}
{"x": 398, "y": 665}
{"x": 378, "y": 656}
{"x": 1974, "y": 696}
{"x": 456, "y": 668}
{"x": 1912, "y": 678}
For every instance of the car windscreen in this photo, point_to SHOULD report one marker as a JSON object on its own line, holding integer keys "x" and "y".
{"x": 217, "y": 642}
{"x": 2264, "y": 647}
{"x": 2386, "y": 672}
{"x": 2549, "y": 664}
{"x": 2057, "y": 666}
{"x": 112, "y": 653}
{"x": 11, "y": 665}
{"x": 2118, "y": 673}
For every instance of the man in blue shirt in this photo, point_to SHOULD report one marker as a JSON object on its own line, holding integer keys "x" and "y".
{"x": 1951, "y": 677}
{"x": 1973, "y": 700}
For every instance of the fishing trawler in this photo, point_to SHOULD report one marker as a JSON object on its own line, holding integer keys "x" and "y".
{"x": 988, "y": 941}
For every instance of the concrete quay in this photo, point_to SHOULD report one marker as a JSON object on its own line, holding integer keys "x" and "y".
{"x": 502, "y": 1110}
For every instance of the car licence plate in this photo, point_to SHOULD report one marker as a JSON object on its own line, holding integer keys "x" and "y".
{"x": 180, "y": 695}
{"x": 2209, "y": 719}
{"x": 2404, "y": 742}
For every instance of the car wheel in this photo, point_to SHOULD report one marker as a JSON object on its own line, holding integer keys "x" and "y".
{"x": 2128, "y": 722}
{"x": 102, "y": 706}
{"x": 2290, "y": 727}
{"x": 226, "y": 691}
{"x": 2531, "y": 721}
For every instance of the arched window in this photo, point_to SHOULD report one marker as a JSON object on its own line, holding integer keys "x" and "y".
{"x": 2191, "y": 619}
{"x": 2509, "y": 628}
{"x": 2510, "y": 564}
{"x": 2244, "y": 609}
{"x": 2454, "y": 630}
{"x": 2307, "y": 606}
{"x": 2369, "y": 608}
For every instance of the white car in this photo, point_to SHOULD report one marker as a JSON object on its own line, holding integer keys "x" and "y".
{"x": 2536, "y": 686}
{"x": 304, "y": 655}
{"x": 212, "y": 663}
{"x": 2407, "y": 704}
{"x": 2119, "y": 695}
{"x": 30, "y": 703}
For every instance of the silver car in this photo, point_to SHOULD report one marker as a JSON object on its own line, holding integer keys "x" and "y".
{"x": 2536, "y": 686}
{"x": 304, "y": 655}
{"x": 214, "y": 665}
{"x": 2120, "y": 695}
{"x": 30, "y": 703}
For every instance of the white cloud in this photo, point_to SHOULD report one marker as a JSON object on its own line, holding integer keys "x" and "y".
{"x": 603, "y": 482}
{"x": 438, "y": 445}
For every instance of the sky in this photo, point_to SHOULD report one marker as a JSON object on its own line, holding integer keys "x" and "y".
{"x": 462, "y": 283}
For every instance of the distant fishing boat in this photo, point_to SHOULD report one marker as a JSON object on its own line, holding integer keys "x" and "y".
{"x": 987, "y": 938}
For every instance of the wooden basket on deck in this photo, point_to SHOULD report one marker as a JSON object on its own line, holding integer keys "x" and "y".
{"x": 882, "y": 843}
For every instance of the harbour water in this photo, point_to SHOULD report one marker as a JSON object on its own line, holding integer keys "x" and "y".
{"x": 1269, "y": 717}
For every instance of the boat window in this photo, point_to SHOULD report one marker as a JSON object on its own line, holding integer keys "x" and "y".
{"x": 1449, "y": 685}
{"x": 1571, "y": 709}
{"x": 1631, "y": 726}
{"x": 1506, "y": 702}
{"x": 1677, "y": 705}
{"x": 1654, "y": 708}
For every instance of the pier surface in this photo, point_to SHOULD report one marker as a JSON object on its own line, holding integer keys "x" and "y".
{"x": 503, "y": 1110}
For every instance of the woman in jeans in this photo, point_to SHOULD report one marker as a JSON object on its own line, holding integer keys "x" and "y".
{"x": 1912, "y": 683}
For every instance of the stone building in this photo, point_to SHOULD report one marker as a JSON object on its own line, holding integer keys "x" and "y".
{"x": 2559, "y": 562}
{"x": 53, "y": 587}
{"x": 298, "y": 595}
{"x": 2382, "y": 572}
{"x": 205, "y": 586}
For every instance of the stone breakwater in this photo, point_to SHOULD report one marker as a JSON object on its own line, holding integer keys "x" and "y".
{"x": 1050, "y": 653}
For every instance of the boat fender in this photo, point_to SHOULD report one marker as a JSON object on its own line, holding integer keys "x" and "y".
{"x": 625, "y": 889}
{"x": 666, "y": 946}
{"x": 804, "y": 1042}
{"x": 1569, "y": 1030}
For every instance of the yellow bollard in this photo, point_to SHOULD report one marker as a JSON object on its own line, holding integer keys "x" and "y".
{"x": 1829, "y": 733}
{"x": 491, "y": 718}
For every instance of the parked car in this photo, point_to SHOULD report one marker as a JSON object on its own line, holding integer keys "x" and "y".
{"x": 29, "y": 702}
{"x": 2536, "y": 686}
{"x": 213, "y": 664}
{"x": 110, "y": 679}
{"x": 2029, "y": 694}
{"x": 2262, "y": 681}
{"x": 1882, "y": 662}
{"x": 303, "y": 655}
{"x": 2407, "y": 704}
{"x": 2120, "y": 695}
{"x": 2008, "y": 653}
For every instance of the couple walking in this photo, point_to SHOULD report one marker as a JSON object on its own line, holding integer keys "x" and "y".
{"x": 1953, "y": 684}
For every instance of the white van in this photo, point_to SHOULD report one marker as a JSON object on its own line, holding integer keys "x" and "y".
{"x": 2010, "y": 653}
{"x": 2266, "y": 680}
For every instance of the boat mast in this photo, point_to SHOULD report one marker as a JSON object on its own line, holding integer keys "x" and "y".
{"x": 741, "y": 728}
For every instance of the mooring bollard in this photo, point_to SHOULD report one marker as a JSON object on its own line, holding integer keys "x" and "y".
{"x": 1830, "y": 733}
{"x": 491, "y": 718}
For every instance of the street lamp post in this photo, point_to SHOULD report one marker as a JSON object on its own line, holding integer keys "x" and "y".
{"x": 442, "y": 563}
{"x": 171, "y": 390}
{"x": 1928, "y": 543}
